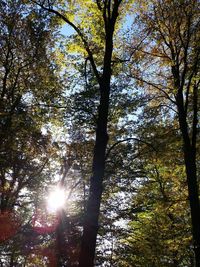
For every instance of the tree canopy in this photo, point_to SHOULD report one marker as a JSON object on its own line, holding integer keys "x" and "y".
{"x": 99, "y": 133}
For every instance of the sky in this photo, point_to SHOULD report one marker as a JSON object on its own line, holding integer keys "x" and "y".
{"x": 67, "y": 30}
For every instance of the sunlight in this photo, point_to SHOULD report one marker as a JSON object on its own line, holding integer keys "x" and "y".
{"x": 56, "y": 200}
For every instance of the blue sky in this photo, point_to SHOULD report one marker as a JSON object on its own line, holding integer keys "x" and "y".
{"x": 67, "y": 30}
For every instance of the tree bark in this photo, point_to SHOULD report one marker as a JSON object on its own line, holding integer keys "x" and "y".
{"x": 190, "y": 164}
{"x": 191, "y": 173}
{"x": 109, "y": 11}
{"x": 90, "y": 227}
{"x": 61, "y": 248}
{"x": 189, "y": 148}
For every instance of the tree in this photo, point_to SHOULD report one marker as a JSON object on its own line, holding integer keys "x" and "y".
{"x": 159, "y": 228}
{"x": 24, "y": 148}
{"x": 128, "y": 187}
{"x": 173, "y": 47}
{"x": 106, "y": 14}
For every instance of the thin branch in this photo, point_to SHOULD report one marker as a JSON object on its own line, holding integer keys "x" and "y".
{"x": 67, "y": 164}
{"x": 85, "y": 71}
{"x": 72, "y": 188}
{"x": 192, "y": 74}
{"x": 40, "y": 169}
{"x": 156, "y": 55}
{"x": 195, "y": 115}
{"x": 155, "y": 86}
{"x": 125, "y": 140}
{"x": 80, "y": 34}
{"x": 136, "y": 48}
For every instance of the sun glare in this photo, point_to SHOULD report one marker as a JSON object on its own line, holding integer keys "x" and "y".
{"x": 56, "y": 200}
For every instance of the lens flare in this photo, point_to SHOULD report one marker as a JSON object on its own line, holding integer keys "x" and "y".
{"x": 56, "y": 200}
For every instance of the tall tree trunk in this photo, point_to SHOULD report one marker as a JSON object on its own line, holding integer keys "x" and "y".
{"x": 109, "y": 10}
{"x": 189, "y": 147}
{"x": 90, "y": 228}
{"x": 61, "y": 249}
{"x": 190, "y": 164}
{"x": 90, "y": 231}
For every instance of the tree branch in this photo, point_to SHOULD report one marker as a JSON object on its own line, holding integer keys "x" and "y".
{"x": 128, "y": 139}
{"x": 78, "y": 31}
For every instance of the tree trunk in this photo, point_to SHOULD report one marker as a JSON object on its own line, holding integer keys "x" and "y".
{"x": 194, "y": 203}
{"x": 190, "y": 164}
{"x": 61, "y": 248}
{"x": 90, "y": 227}
{"x": 109, "y": 11}
{"x": 189, "y": 148}
{"x": 92, "y": 214}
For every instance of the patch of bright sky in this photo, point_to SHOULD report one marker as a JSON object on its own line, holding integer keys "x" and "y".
{"x": 67, "y": 30}
{"x": 128, "y": 21}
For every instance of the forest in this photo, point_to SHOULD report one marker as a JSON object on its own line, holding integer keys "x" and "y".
{"x": 99, "y": 133}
